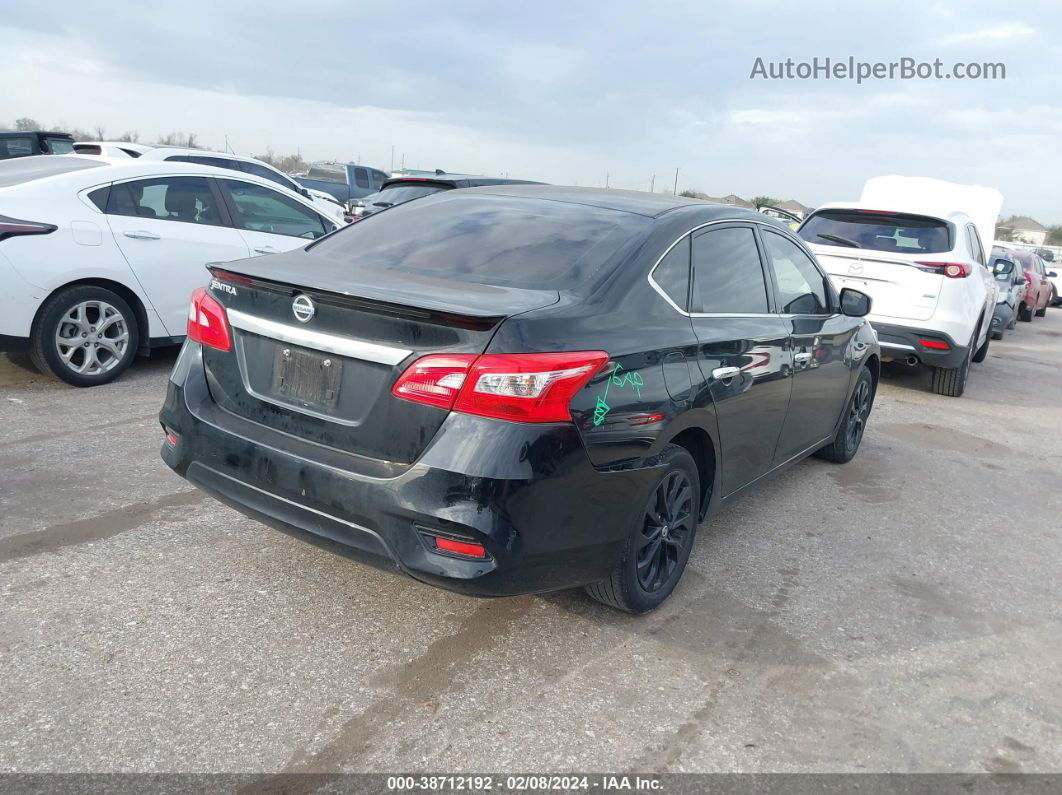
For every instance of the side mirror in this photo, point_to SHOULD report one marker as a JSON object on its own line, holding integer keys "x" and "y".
{"x": 1052, "y": 275}
{"x": 854, "y": 303}
{"x": 1002, "y": 267}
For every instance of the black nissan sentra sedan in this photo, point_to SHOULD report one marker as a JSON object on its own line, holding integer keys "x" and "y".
{"x": 515, "y": 389}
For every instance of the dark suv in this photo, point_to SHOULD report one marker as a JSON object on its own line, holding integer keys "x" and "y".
{"x": 23, "y": 144}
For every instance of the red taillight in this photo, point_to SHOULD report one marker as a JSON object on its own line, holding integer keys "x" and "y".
{"x": 466, "y": 549}
{"x": 12, "y": 227}
{"x": 523, "y": 387}
{"x": 207, "y": 322}
{"x": 937, "y": 345}
{"x": 953, "y": 270}
{"x": 435, "y": 380}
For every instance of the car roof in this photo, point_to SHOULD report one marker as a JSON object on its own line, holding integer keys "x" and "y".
{"x": 24, "y": 133}
{"x": 92, "y": 170}
{"x": 650, "y": 205}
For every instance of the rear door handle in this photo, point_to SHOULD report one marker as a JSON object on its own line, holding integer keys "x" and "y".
{"x": 266, "y": 250}
{"x": 724, "y": 373}
{"x": 141, "y": 234}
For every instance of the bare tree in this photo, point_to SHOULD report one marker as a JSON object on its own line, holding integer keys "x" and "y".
{"x": 25, "y": 124}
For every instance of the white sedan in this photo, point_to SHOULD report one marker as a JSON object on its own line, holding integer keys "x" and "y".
{"x": 98, "y": 258}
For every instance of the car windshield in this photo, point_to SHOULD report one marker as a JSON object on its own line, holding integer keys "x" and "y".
{"x": 402, "y": 193}
{"x": 500, "y": 240}
{"x": 878, "y": 231}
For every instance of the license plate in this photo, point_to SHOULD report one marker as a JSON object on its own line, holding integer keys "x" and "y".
{"x": 305, "y": 377}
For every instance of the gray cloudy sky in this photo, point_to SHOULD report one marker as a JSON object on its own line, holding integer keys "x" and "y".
{"x": 565, "y": 92}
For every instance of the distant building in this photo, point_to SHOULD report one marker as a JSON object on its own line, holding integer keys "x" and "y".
{"x": 1024, "y": 229}
{"x": 795, "y": 207}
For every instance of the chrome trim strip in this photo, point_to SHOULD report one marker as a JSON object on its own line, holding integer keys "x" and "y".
{"x": 899, "y": 345}
{"x": 328, "y": 343}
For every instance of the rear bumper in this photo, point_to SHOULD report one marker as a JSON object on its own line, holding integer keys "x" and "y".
{"x": 898, "y": 343}
{"x": 528, "y": 493}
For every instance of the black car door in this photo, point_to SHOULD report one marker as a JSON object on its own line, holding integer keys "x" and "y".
{"x": 821, "y": 340}
{"x": 742, "y": 349}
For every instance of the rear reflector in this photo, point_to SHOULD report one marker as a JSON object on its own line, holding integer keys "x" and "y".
{"x": 953, "y": 270}
{"x": 207, "y": 322}
{"x": 467, "y": 549}
{"x": 936, "y": 345}
{"x": 12, "y": 227}
{"x": 171, "y": 437}
{"x": 522, "y": 387}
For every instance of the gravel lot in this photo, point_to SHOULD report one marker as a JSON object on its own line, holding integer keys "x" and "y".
{"x": 900, "y": 613}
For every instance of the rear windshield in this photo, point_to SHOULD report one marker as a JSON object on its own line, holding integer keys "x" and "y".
{"x": 490, "y": 239}
{"x": 25, "y": 169}
{"x": 876, "y": 231}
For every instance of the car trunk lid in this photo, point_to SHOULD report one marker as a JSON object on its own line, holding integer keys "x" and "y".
{"x": 896, "y": 285}
{"x": 317, "y": 350}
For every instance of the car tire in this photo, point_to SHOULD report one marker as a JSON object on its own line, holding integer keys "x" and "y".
{"x": 1054, "y": 296}
{"x": 982, "y": 352}
{"x": 69, "y": 341}
{"x": 951, "y": 381}
{"x": 1025, "y": 313}
{"x": 849, "y": 434}
{"x": 997, "y": 335}
{"x": 1042, "y": 310}
{"x": 659, "y": 543}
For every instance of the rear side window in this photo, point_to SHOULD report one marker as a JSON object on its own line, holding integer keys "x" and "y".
{"x": 727, "y": 275}
{"x": 361, "y": 177}
{"x": 507, "y": 241}
{"x": 187, "y": 199}
{"x": 974, "y": 242}
{"x": 99, "y": 197}
{"x": 672, "y": 275}
{"x": 801, "y": 286}
{"x": 877, "y": 231}
{"x": 262, "y": 209}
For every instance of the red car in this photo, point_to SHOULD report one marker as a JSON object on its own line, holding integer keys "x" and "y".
{"x": 1038, "y": 292}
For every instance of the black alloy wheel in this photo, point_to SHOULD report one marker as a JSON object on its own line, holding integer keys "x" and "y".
{"x": 666, "y": 531}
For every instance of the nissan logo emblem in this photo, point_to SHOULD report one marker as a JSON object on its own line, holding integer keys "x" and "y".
{"x": 303, "y": 309}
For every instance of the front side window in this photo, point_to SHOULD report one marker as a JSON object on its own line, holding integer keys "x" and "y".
{"x": 801, "y": 286}
{"x": 187, "y": 199}
{"x": 262, "y": 209}
{"x": 672, "y": 275}
{"x": 727, "y": 274}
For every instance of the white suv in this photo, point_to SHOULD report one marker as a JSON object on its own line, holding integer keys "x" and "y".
{"x": 914, "y": 245}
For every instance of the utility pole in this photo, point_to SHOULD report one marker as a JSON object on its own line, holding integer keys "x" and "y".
{"x": 392, "y": 158}
{"x": 652, "y": 183}
{"x": 675, "y": 191}
{"x": 606, "y": 179}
